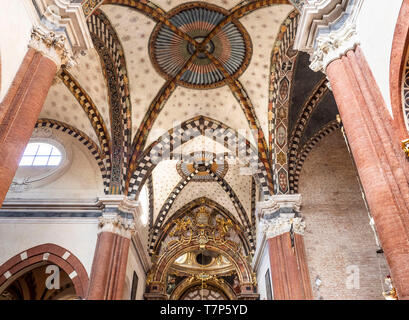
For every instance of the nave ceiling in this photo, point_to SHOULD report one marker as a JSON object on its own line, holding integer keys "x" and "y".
{"x": 149, "y": 72}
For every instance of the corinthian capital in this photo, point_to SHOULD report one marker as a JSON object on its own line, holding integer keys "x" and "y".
{"x": 280, "y": 225}
{"x": 60, "y": 29}
{"x": 51, "y": 45}
{"x": 114, "y": 223}
{"x": 327, "y": 30}
{"x": 333, "y": 47}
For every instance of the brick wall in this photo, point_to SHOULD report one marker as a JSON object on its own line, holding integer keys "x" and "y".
{"x": 339, "y": 240}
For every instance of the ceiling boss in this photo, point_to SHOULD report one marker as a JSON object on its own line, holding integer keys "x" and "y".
{"x": 202, "y": 54}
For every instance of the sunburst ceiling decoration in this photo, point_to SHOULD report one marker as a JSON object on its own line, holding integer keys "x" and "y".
{"x": 228, "y": 47}
{"x": 202, "y": 162}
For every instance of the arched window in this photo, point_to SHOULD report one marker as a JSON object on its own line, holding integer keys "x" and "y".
{"x": 41, "y": 154}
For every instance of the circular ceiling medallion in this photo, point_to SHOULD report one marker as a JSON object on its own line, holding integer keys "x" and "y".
{"x": 231, "y": 46}
{"x": 202, "y": 162}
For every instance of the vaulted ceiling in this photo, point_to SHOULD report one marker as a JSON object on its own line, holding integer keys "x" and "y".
{"x": 165, "y": 70}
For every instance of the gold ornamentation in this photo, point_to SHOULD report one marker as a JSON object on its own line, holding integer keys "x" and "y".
{"x": 223, "y": 226}
{"x": 182, "y": 226}
{"x": 50, "y": 45}
{"x": 391, "y": 293}
{"x": 405, "y": 146}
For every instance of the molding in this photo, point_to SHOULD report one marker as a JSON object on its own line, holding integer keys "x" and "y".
{"x": 260, "y": 251}
{"x": 327, "y": 30}
{"x": 32, "y": 205}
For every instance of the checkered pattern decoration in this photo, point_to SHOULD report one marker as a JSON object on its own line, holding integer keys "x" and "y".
{"x": 309, "y": 145}
{"x": 245, "y": 221}
{"x": 149, "y": 185}
{"x": 166, "y": 207}
{"x": 162, "y": 216}
{"x": 253, "y": 204}
{"x": 282, "y": 66}
{"x": 299, "y": 4}
{"x": 161, "y": 149}
{"x": 154, "y": 246}
{"x": 304, "y": 116}
{"x": 81, "y": 137}
{"x": 111, "y": 52}
{"x": 93, "y": 114}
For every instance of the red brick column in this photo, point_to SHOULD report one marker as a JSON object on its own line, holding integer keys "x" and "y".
{"x": 116, "y": 226}
{"x": 289, "y": 273}
{"x": 109, "y": 267}
{"x": 383, "y": 179}
{"x": 19, "y": 112}
{"x": 281, "y": 222}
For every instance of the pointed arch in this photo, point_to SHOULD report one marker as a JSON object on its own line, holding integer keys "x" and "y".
{"x": 162, "y": 148}
{"x": 167, "y": 205}
{"x": 399, "y": 65}
{"x": 165, "y": 229}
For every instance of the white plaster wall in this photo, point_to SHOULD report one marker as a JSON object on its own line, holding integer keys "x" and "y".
{"x": 261, "y": 272}
{"x": 134, "y": 265}
{"x": 15, "y": 30}
{"x": 376, "y": 27}
{"x": 76, "y": 235}
{"x": 82, "y": 180}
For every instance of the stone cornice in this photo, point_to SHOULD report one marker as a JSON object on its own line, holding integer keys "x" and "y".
{"x": 277, "y": 204}
{"x": 327, "y": 30}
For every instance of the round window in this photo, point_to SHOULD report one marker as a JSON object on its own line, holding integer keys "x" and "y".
{"x": 41, "y": 154}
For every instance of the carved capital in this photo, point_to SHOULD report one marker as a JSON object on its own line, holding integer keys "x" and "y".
{"x": 119, "y": 215}
{"x": 114, "y": 223}
{"x": 333, "y": 46}
{"x": 60, "y": 30}
{"x": 50, "y": 45}
{"x": 327, "y": 30}
{"x": 283, "y": 224}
